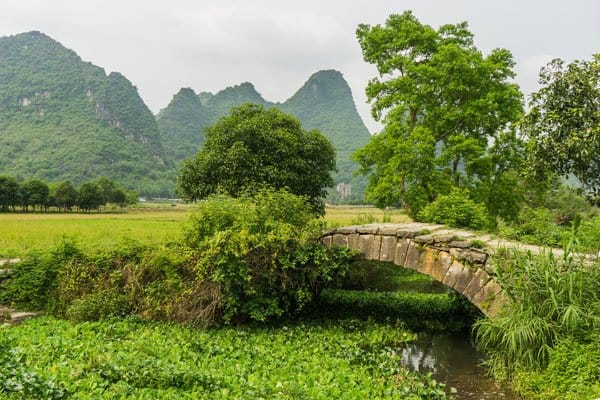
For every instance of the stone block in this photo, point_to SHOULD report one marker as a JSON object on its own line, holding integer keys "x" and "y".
{"x": 347, "y": 229}
{"x": 428, "y": 262}
{"x": 474, "y": 256}
{"x": 454, "y": 272}
{"x": 375, "y": 248}
{"x": 340, "y": 240}
{"x": 389, "y": 229}
{"x": 365, "y": 244}
{"x": 463, "y": 279}
{"x": 327, "y": 241}
{"x": 369, "y": 229}
{"x": 441, "y": 267}
{"x": 401, "y": 251}
{"x": 388, "y": 247}
{"x": 461, "y": 244}
{"x": 353, "y": 241}
{"x": 424, "y": 239}
{"x": 496, "y": 306}
{"x": 413, "y": 256}
{"x": 487, "y": 294}
{"x": 480, "y": 278}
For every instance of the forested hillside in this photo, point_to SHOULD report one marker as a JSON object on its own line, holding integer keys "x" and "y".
{"x": 324, "y": 102}
{"x": 65, "y": 119}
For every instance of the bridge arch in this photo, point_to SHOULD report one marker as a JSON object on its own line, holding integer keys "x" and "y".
{"x": 453, "y": 257}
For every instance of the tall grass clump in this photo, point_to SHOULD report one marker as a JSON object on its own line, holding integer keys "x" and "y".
{"x": 550, "y": 298}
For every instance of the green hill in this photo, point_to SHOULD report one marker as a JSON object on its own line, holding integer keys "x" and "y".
{"x": 62, "y": 118}
{"x": 324, "y": 102}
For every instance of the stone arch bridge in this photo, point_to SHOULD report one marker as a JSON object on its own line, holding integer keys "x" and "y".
{"x": 458, "y": 259}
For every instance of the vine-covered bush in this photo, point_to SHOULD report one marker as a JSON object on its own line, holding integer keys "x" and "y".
{"x": 263, "y": 253}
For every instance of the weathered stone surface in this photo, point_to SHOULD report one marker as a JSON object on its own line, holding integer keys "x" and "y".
{"x": 424, "y": 239}
{"x": 388, "y": 248}
{"x": 328, "y": 241}
{"x": 480, "y": 278}
{"x": 415, "y": 229}
{"x": 413, "y": 254}
{"x": 463, "y": 279}
{"x": 474, "y": 256}
{"x": 370, "y": 229}
{"x": 441, "y": 239}
{"x": 487, "y": 294}
{"x": 494, "y": 309}
{"x": 443, "y": 264}
{"x": 453, "y": 273}
{"x": 489, "y": 268}
{"x": 340, "y": 240}
{"x": 20, "y": 316}
{"x": 353, "y": 240}
{"x": 376, "y": 248}
{"x": 401, "y": 251}
{"x": 347, "y": 229}
{"x": 462, "y": 244}
{"x": 365, "y": 245}
{"x": 9, "y": 261}
{"x": 389, "y": 229}
{"x": 429, "y": 261}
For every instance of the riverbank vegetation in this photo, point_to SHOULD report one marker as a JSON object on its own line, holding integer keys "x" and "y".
{"x": 545, "y": 340}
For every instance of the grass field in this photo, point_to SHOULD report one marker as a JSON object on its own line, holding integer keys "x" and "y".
{"x": 22, "y": 232}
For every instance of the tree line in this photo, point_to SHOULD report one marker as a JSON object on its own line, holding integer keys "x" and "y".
{"x": 37, "y": 195}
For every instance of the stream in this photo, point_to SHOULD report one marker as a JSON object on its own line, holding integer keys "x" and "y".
{"x": 452, "y": 359}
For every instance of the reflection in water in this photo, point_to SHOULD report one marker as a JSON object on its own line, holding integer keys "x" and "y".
{"x": 452, "y": 359}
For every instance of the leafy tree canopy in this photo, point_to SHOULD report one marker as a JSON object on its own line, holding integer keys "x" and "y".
{"x": 442, "y": 103}
{"x": 254, "y": 146}
{"x": 564, "y": 121}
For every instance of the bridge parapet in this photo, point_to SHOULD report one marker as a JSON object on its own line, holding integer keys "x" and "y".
{"x": 456, "y": 258}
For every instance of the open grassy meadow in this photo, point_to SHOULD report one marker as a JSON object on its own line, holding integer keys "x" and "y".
{"x": 22, "y": 232}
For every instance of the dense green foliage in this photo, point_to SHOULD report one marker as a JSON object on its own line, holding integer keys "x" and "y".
{"x": 350, "y": 359}
{"x": 254, "y": 147}
{"x": 324, "y": 103}
{"x": 455, "y": 209}
{"x": 264, "y": 253}
{"x": 39, "y": 195}
{"x": 549, "y": 220}
{"x": 242, "y": 259}
{"x": 443, "y": 103}
{"x": 564, "y": 121}
{"x": 552, "y": 301}
{"x": 65, "y": 119}
{"x": 572, "y": 372}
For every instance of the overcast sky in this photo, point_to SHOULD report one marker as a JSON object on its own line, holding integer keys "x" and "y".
{"x": 208, "y": 45}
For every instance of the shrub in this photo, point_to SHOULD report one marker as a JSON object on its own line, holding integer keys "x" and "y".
{"x": 455, "y": 209}
{"x": 98, "y": 305}
{"x": 535, "y": 225}
{"x": 263, "y": 254}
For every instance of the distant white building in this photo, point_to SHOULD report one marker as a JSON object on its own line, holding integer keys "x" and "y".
{"x": 344, "y": 189}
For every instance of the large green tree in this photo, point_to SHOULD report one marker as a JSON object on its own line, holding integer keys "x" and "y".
{"x": 10, "y": 193}
{"x": 254, "y": 146}
{"x": 443, "y": 104}
{"x": 34, "y": 193}
{"x": 564, "y": 121}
